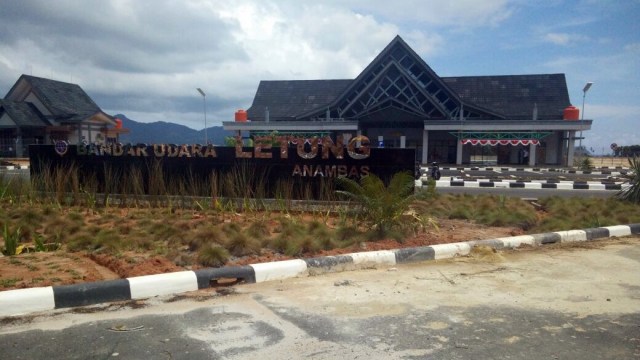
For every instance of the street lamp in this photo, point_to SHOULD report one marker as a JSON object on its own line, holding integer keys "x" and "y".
{"x": 586, "y": 88}
{"x": 204, "y": 103}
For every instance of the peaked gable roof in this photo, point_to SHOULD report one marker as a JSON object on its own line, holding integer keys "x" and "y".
{"x": 398, "y": 77}
{"x": 65, "y": 101}
{"x": 24, "y": 114}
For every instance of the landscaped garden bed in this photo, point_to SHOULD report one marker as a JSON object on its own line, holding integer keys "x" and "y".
{"x": 68, "y": 236}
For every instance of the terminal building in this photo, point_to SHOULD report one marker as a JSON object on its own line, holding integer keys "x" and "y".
{"x": 399, "y": 101}
{"x": 43, "y": 111}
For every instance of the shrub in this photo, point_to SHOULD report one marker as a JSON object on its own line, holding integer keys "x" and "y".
{"x": 586, "y": 164}
{"x": 213, "y": 255}
{"x": 204, "y": 235}
{"x": 632, "y": 192}
{"x": 258, "y": 230}
{"x": 380, "y": 206}
{"x": 11, "y": 240}
{"x": 239, "y": 244}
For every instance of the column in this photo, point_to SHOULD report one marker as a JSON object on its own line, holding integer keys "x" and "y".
{"x": 571, "y": 148}
{"x": 403, "y": 142}
{"x": 425, "y": 146}
{"x": 459, "y": 153}
{"x": 19, "y": 145}
{"x": 532, "y": 155}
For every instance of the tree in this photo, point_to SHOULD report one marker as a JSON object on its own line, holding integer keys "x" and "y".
{"x": 632, "y": 192}
{"x": 381, "y": 207}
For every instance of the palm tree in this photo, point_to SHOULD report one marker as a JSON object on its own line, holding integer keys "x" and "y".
{"x": 381, "y": 206}
{"x": 632, "y": 193}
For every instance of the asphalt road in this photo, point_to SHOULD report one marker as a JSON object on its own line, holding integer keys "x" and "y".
{"x": 556, "y": 302}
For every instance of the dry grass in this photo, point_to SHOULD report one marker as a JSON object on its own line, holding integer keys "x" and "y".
{"x": 611, "y": 162}
{"x": 213, "y": 231}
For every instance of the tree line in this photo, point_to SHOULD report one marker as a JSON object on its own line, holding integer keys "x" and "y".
{"x": 627, "y": 151}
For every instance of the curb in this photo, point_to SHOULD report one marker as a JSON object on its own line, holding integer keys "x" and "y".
{"x": 598, "y": 171}
{"x": 24, "y": 301}
{"x": 560, "y": 185}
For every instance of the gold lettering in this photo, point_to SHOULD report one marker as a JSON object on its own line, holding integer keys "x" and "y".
{"x": 118, "y": 149}
{"x": 141, "y": 150}
{"x": 296, "y": 171}
{"x": 196, "y": 150}
{"x": 364, "y": 170}
{"x": 159, "y": 150}
{"x": 354, "y": 172}
{"x": 210, "y": 151}
{"x": 107, "y": 149}
{"x": 301, "y": 148}
{"x": 130, "y": 150}
{"x": 336, "y": 149}
{"x": 184, "y": 151}
{"x": 342, "y": 170}
{"x": 307, "y": 170}
{"x": 359, "y": 152}
{"x": 262, "y": 143}
{"x": 93, "y": 150}
{"x": 239, "y": 153}
{"x": 172, "y": 150}
{"x": 284, "y": 146}
{"x": 330, "y": 171}
{"x": 318, "y": 171}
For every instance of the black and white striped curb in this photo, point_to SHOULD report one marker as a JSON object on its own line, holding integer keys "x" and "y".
{"x": 23, "y": 301}
{"x": 14, "y": 167}
{"x": 598, "y": 171}
{"x": 548, "y": 184}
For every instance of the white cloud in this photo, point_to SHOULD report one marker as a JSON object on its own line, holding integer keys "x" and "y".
{"x": 457, "y": 14}
{"x": 612, "y": 123}
{"x": 564, "y": 38}
{"x": 632, "y": 48}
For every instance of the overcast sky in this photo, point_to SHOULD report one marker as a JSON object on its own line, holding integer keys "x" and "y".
{"x": 145, "y": 58}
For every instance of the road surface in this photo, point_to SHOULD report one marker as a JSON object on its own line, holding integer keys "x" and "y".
{"x": 558, "y": 302}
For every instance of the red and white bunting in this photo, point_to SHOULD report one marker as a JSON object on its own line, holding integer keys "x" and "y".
{"x": 494, "y": 142}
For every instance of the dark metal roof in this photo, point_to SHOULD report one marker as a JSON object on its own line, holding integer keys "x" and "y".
{"x": 507, "y": 97}
{"x": 288, "y": 98}
{"x": 23, "y": 114}
{"x": 67, "y": 102}
{"x": 515, "y": 95}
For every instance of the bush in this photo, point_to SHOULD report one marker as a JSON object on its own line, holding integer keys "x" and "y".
{"x": 239, "y": 244}
{"x": 586, "y": 164}
{"x": 11, "y": 239}
{"x": 632, "y": 193}
{"x": 213, "y": 256}
{"x": 381, "y": 206}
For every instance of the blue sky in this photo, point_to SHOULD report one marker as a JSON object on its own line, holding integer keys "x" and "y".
{"x": 145, "y": 58}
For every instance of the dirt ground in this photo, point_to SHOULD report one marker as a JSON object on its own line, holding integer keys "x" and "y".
{"x": 61, "y": 268}
{"x": 611, "y": 162}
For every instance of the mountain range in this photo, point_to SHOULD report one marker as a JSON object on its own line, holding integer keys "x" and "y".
{"x": 162, "y": 132}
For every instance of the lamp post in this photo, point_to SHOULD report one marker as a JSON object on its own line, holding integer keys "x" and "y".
{"x": 204, "y": 103}
{"x": 586, "y": 88}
